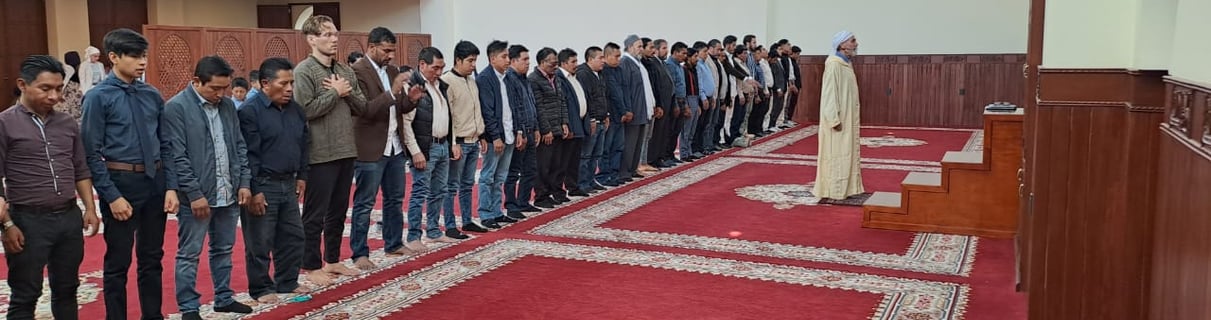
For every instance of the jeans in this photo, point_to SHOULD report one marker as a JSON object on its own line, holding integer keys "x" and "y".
{"x": 590, "y": 157}
{"x": 142, "y": 235}
{"x": 460, "y": 184}
{"x": 611, "y": 155}
{"x": 428, "y": 188}
{"x": 739, "y": 115}
{"x": 276, "y": 235}
{"x": 387, "y": 174}
{"x": 492, "y": 182}
{"x": 192, "y": 232}
{"x": 690, "y": 125}
{"x": 53, "y": 242}
{"x": 519, "y": 186}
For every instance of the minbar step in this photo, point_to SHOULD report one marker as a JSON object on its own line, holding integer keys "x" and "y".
{"x": 883, "y": 199}
{"x": 924, "y": 179}
{"x": 963, "y": 157}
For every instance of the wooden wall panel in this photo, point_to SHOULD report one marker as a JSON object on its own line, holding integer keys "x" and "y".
{"x": 1181, "y": 260}
{"x": 921, "y": 90}
{"x": 175, "y": 50}
{"x": 1094, "y": 187}
{"x": 22, "y": 33}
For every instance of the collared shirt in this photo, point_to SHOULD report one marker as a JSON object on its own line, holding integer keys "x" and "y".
{"x": 506, "y": 110}
{"x": 224, "y": 191}
{"x": 119, "y": 118}
{"x": 40, "y": 159}
{"x": 706, "y": 79}
{"x": 276, "y": 136}
{"x": 648, "y": 95}
{"x": 584, "y": 106}
{"x": 393, "y": 146}
{"x": 441, "y": 112}
{"x": 751, "y": 61}
{"x": 677, "y": 74}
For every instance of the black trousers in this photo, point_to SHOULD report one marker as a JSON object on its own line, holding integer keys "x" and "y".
{"x": 551, "y": 168}
{"x": 52, "y": 241}
{"x": 324, "y": 209}
{"x": 633, "y": 141}
{"x": 571, "y": 162}
{"x": 143, "y": 234}
{"x": 790, "y": 106}
{"x": 523, "y": 173}
{"x": 776, "y": 107}
{"x": 676, "y": 124}
{"x": 757, "y": 117}
{"x": 277, "y": 234}
{"x": 660, "y": 136}
{"x": 738, "y": 116}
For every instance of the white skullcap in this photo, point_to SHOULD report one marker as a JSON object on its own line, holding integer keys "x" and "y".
{"x": 91, "y": 50}
{"x": 841, "y": 37}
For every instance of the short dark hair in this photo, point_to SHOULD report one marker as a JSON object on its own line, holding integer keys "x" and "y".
{"x": 713, "y": 42}
{"x": 240, "y": 82}
{"x": 544, "y": 53}
{"x": 405, "y": 68}
{"x": 740, "y": 49}
{"x": 381, "y": 35}
{"x": 353, "y": 56}
{"x": 612, "y": 46}
{"x": 660, "y": 42}
{"x": 748, "y": 38}
{"x": 35, "y": 65}
{"x": 210, "y": 66}
{"x": 699, "y": 45}
{"x": 679, "y": 46}
{"x": 795, "y": 49}
{"x": 565, "y": 54}
{"x": 516, "y": 50}
{"x": 645, "y": 41}
{"x": 783, "y": 41}
{"x": 465, "y": 49}
{"x": 254, "y": 75}
{"x": 496, "y": 46}
{"x": 125, "y": 42}
{"x": 430, "y": 54}
{"x": 729, "y": 39}
{"x": 270, "y": 67}
{"x": 592, "y": 52}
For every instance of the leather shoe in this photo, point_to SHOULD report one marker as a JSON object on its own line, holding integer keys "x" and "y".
{"x": 531, "y": 209}
{"x": 516, "y": 216}
{"x": 491, "y": 224}
{"x": 472, "y": 227}
{"x": 545, "y": 203}
{"x": 578, "y": 193}
{"x": 454, "y": 234}
{"x": 191, "y": 316}
{"x": 562, "y": 199}
{"x": 234, "y": 307}
{"x": 505, "y": 219}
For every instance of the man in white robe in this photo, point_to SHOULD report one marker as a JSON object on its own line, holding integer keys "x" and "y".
{"x": 838, "y": 173}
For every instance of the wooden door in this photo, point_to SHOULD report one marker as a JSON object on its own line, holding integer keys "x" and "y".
{"x": 273, "y": 16}
{"x": 22, "y": 33}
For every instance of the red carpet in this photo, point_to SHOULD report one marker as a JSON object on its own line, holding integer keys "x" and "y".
{"x": 877, "y": 143}
{"x": 723, "y": 238}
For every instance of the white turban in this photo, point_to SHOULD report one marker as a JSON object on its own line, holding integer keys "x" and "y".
{"x": 841, "y": 37}
{"x": 91, "y": 51}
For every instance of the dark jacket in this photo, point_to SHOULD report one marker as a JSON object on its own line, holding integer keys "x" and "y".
{"x": 519, "y": 86}
{"x": 550, "y": 104}
{"x": 187, "y": 130}
{"x": 779, "y": 75}
{"x": 576, "y": 125}
{"x": 422, "y": 122}
{"x": 612, "y": 77}
{"x": 595, "y": 92}
{"x": 662, "y": 83}
{"x": 492, "y": 106}
{"x": 631, "y": 82}
{"x": 370, "y": 129}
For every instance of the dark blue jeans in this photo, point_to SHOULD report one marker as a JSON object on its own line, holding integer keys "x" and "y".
{"x": 492, "y": 181}
{"x": 460, "y": 184}
{"x": 590, "y": 157}
{"x": 387, "y": 174}
{"x": 428, "y": 188}
{"x": 192, "y": 232}
{"x": 611, "y": 155}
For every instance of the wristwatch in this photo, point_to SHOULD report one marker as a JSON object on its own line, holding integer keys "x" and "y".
{"x": 8, "y": 224}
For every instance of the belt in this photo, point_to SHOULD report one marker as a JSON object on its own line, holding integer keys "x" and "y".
{"x": 441, "y": 140}
{"x": 278, "y": 176}
{"x": 466, "y": 140}
{"x": 122, "y": 166}
{"x": 60, "y": 208}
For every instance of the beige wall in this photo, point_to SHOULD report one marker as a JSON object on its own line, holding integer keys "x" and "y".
{"x": 401, "y": 16}
{"x": 66, "y": 26}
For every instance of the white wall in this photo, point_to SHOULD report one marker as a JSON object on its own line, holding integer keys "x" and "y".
{"x": 1090, "y": 33}
{"x": 401, "y": 16}
{"x": 1154, "y": 34}
{"x": 1190, "y": 41}
{"x": 904, "y": 27}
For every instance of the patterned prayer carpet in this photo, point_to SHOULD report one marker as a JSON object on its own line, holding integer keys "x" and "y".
{"x": 736, "y": 235}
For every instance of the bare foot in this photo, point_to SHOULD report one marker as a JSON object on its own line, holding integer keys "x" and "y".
{"x": 319, "y": 278}
{"x": 302, "y": 289}
{"x": 402, "y": 251}
{"x": 364, "y": 263}
{"x": 268, "y": 299}
{"x": 341, "y": 269}
{"x": 416, "y": 246}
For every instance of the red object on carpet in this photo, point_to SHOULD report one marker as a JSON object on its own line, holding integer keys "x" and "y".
{"x": 937, "y": 142}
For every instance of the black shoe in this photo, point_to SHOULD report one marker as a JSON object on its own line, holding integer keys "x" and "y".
{"x": 598, "y": 188}
{"x": 611, "y": 184}
{"x": 516, "y": 216}
{"x": 578, "y": 193}
{"x": 454, "y": 234}
{"x": 191, "y": 316}
{"x": 234, "y": 307}
{"x": 472, "y": 227}
{"x": 545, "y": 203}
{"x": 490, "y": 224}
{"x": 531, "y": 209}
{"x": 505, "y": 219}
{"x": 562, "y": 199}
